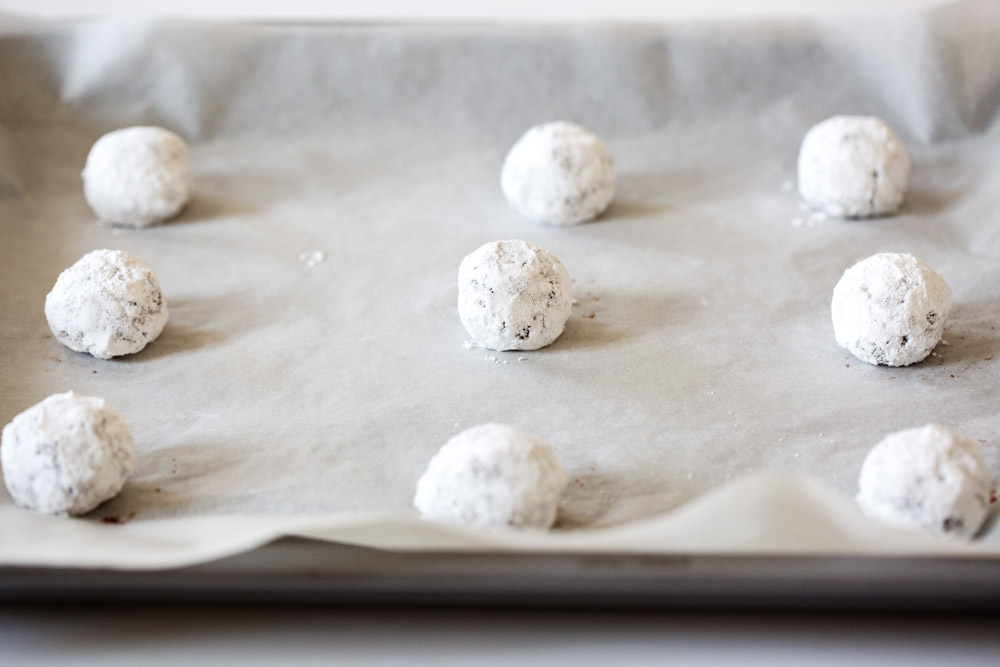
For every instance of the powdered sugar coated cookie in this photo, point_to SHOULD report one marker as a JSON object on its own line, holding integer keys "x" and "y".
{"x": 559, "y": 173}
{"x": 492, "y": 476}
{"x": 890, "y": 309}
{"x": 137, "y": 176}
{"x": 513, "y": 295}
{"x": 107, "y": 304}
{"x": 66, "y": 455}
{"x": 926, "y": 479}
{"x": 853, "y": 167}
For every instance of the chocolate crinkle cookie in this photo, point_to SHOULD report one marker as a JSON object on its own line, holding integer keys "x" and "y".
{"x": 890, "y": 309}
{"x": 559, "y": 173}
{"x": 137, "y": 176}
{"x": 492, "y": 476}
{"x": 853, "y": 167}
{"x": 66, "y": 455}
{"x": 107, "y": 304}
{"x": 513, "y": 296}
{"x": 927, "y": 479}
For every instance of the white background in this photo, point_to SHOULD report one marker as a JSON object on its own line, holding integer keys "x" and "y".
{"x": 155, "y": 636}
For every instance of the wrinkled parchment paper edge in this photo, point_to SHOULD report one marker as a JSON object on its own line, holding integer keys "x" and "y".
{"x": 738, "y": 518}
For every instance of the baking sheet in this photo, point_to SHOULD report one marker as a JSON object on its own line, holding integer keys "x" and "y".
{"x": 697, "y": 398}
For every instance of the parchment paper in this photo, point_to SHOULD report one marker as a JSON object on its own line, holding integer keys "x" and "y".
{"x": 697, "y": 397}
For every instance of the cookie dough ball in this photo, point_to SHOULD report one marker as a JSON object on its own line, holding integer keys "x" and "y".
{"x": 107, "y": 304}
{"x": 926, "y": 479}
{"x": 559, "y": 173}
{"x": 853, "y": 167}
{"x": 492, "y": 476}
{"x": 513, "y": 296}
{"x": 137, "y": 176}
{"x": 890, "y": 309}
{"x": 66, "y": 455}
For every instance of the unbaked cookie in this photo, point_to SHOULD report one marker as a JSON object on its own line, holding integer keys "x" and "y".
{"x": 513, "y": 296}
{"x": 559, "y": 173}
{"x": 66, "y": 455}
{"x": 107, "y": 304}
{"x": 890, "y": 309}
{"x": 137, "y": 176}
{"x": 853, "y": 167}
{"x": 926, "y": 479}
{"x": 492, "y": 476}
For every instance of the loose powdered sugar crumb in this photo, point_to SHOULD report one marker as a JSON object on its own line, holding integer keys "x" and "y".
{"x": 313, "y": 258}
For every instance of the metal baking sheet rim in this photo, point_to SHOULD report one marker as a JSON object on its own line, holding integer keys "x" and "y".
{"x": 304, "y": 572}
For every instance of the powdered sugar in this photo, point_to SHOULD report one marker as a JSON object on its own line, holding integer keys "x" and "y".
{"x": 853, "y": 167}
{"x": 559, "y": 173}
{"x": 107, "y": 304}
{"x": 890, "y": 309}
{"x": 66, "y": 455}
{"x": 313, "y": 258}
{"x": 513, "y": 296}
{"x": 926, "y": 479}
{"x": 492, "y": 476}
{"x": 137, "y": 176}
